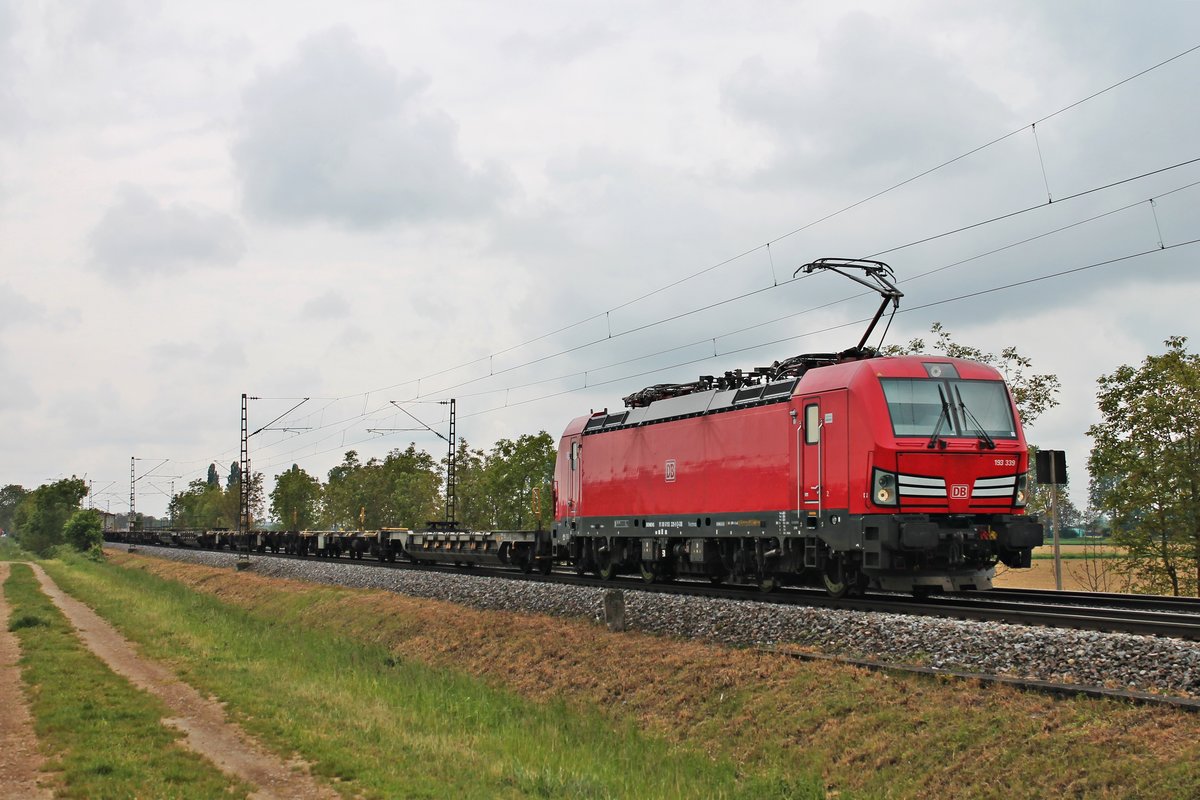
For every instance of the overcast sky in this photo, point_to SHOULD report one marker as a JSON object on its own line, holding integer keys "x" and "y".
{"x": 336, "y": 200}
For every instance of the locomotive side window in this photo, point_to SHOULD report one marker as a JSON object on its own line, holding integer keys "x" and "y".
{"x": 574, "y": 455}
{"x": 812, "y": 424}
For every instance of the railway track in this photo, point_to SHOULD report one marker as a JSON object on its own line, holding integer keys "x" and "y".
{"x": 1148, "y": 602}
{"x": 1135, "y": 614}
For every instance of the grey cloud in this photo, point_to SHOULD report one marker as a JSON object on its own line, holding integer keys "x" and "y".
{"x": 16, "y": 392}
{"x": 12, "y": 114}
{"x": 219, "y": 356}
{"x": 334, "y": 134}
{"x": 856, "y": 110}
{"x": 562, "y": 46}
{"x": 14, "y": 307}
{"x": 329, "y": 305}
{"x": 139, "y": 235}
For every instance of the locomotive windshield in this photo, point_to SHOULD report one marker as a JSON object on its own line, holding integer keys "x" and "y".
{"x": 949, "y": 408}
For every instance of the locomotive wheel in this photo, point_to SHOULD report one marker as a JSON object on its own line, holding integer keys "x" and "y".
{"x": 835, "y": 588}
{"x": 834, "y": 577}
{"x": 716, "y": 580}
{"x": 768, "y": 583}
{"x": 606, "y": 567}
{"x": 545, "y": 565}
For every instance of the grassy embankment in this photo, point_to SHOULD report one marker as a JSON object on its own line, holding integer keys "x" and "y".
{"x": 103, "y": 736}
{"x": 380, "y": 724}
{"x": 351, "y": 711}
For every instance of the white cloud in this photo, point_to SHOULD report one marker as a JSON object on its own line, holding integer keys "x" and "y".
{"x": 563, "y": 45}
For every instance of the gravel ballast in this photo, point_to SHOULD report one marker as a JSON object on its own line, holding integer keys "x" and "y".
{"x": 1091, "y": 658}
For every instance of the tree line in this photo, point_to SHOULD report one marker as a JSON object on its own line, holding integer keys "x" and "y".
{"x": 506, "y": 487}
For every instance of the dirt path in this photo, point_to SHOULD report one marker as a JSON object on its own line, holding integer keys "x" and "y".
{"x": 208, "y": 731}
{"x": 20, "y": 761}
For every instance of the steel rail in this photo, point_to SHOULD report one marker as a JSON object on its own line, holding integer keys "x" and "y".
{"x": 1150, "y": 602}
{"x": 1027, "y": 684}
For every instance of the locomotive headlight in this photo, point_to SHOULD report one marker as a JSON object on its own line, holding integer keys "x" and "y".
{"x": 883, "y": 488}
{"x": 1020, "y": 498}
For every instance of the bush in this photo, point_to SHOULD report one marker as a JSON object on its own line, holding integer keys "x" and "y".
{"x": 84, "y": 530}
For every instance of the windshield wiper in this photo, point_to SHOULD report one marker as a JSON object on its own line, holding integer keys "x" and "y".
{"x": 942, "y": 419}
{"x": 985, "y": 440}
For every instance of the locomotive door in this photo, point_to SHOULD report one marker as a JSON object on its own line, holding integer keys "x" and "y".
{"x": 821, "y": 473}
{"x": 808, "y": 467}
{"x": 574, "y": 480}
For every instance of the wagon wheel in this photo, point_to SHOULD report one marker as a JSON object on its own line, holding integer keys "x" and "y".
{"x": 545, "y": 565}
{"x": 768, "y": 583}
{"x": 648, "y": 573}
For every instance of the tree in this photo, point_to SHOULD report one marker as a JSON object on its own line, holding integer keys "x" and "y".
{"x": 1145, "y": 464}
{"x": 399, "y": 491}
{"x": 204, "y": 504}
{"x": 514, "y": 470}
{"x": 214, "y": 479}
{"x": 42, "y": 513}
{"x": 471, "y": 503}
{"x": 1033, "y": 393}
{"x": 84, "y": 530}
{"x": 201, "y": 505}
{"x": 296, "y": 499}
{"x": 10, "y": 497}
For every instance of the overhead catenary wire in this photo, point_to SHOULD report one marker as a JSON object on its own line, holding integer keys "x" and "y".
{"x": 786, "y": 235}
{"x": 799, "y": 229}
{"x": 775, "y": 342}
{"x": 727, "y": 334}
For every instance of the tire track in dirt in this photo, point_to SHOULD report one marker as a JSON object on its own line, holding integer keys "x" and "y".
{"x": 203, "y": 721}
{"x": 21, "y": 775}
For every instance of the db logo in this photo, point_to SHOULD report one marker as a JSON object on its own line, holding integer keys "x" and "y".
{"x": 958, "y": 491}
{"x": 670, "y": 470}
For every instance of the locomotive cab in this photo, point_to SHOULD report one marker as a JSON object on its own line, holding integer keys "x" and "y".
{"x": 937, "y": 480}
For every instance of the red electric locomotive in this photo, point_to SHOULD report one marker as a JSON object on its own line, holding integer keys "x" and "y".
{"x": 902, "y": 473}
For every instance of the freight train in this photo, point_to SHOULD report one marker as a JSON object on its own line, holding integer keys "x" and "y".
{"x": 848, "y": 470}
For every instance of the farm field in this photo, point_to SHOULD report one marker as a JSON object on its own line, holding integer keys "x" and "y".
{"x": 387, "y": 696}
{"x": 1077, "y": 573}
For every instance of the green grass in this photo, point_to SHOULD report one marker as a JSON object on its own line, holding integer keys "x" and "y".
{"x": 101, "y": 733}
{"x": 1068, "y": 555}
{"x": 11, "y": 551}
{"x": 384, "y": 727}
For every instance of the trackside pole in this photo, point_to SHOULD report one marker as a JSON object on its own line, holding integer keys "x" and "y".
{"x": 1052, "y": 469}
{"x": 1054, "y": 523}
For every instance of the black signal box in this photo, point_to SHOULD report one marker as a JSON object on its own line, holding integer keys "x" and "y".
{"x": 1051, "y": 466}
